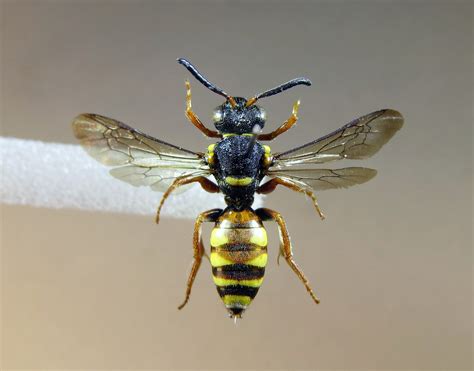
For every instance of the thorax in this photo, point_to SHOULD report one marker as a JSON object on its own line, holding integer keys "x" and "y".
{"x": 237, "y": 163}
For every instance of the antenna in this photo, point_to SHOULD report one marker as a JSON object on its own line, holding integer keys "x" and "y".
{"x": 279, "y": 89}
{"x": 189, "y": 66}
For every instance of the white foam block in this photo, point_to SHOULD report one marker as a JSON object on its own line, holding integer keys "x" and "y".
{"x": 61, "y": 176}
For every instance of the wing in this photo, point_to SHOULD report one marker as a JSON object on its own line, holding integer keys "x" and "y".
{"x": 359, "y": 139}
{"x": 322, "y": 179}
{"x": 136, "y": 158}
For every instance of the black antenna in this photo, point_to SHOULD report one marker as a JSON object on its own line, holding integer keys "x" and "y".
{"x": 204, "y": 81}
{"x": 279, "y": 89}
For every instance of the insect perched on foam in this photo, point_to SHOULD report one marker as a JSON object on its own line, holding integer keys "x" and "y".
{"x": 238, "y": 162}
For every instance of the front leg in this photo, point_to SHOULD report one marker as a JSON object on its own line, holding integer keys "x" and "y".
{"x": 285, "y": 246}
{"x": 205, "y": 183}
{"x": 272, "y": 184}
{"x": 284, "y": 127}
{"x": 192, "y": 117}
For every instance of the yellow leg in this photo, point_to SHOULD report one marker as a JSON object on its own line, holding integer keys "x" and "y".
{"x": 285, "y": 246}
{"x": 284, "y": 127}
{"x": 192, "y": 117}
{"x": 206, "y": 184}
{"x": 198, "y": 248}
{"x": 272, "y": 184}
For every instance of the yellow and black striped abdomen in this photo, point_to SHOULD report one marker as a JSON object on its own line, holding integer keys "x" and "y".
{"x": 238, "y": 258}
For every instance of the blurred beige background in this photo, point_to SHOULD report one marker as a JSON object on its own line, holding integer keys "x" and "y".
{"x": 393, "y": 261}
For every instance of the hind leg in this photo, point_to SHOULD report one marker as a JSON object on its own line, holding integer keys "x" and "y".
{"x": 285, "y": 246}
{"x": 198, "y": 248}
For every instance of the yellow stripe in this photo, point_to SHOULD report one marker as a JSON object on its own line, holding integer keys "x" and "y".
{"x": 267, "y": 160}
{"x": 210, "y": 158}
{"x": 238, "y": 181}
{"x": 211, "y": 147}
{"x": 259, "y": 237}
{"x": 259, "y": 261}
{"x": 210, "y": 153}
{"x": 227, "y": 282}
{"x": 231, "y": 300}
{"x": 232, "y": 135}
{"x": 218, "y": 261}
{"x": 219, "y": 237}
{"x": 267, "y": 157}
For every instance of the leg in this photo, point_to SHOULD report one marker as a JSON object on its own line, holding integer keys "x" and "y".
{"x": 206, "y": 184}
{"x": 271, "y": 185}
{"x": 193, "y": 117}
{"x": 284, "y": 127}
{"x": 198, "y": 248}
{"x": 285, "y": 246}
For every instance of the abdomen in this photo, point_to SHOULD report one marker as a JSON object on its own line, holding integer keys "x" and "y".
{"x": 238, "y": 258}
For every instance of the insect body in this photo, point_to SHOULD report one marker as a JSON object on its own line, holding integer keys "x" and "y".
{"x": 238, "y": 162}
{"x": 238, "y": 257}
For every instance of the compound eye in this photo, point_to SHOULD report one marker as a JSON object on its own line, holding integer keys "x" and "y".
{"x": 217, "y": 115}
{"x": 263, "y": 114}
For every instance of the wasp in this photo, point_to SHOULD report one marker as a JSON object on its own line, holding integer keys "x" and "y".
{"x": 238, "y": 162}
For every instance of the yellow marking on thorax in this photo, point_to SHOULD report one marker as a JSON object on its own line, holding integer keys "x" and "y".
{"x": 259, "y": 237}
{"x": 228, "y": 135}
{"x": 228, "y": 282}
{"x": 210, "y": 147}
{"x": 210, "y": 153}
{"x": 238, "y": 182}
{"x": 267, "y": 156}
{"x": 231, "y": 300}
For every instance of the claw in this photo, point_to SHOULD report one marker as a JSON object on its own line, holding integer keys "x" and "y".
{"x": 183, "y": 304}
{"x": 321, "y": 215}
{"x": 188, "y": 96}
{"x": 318, "y": 209}
{"x": 295, "y": 109}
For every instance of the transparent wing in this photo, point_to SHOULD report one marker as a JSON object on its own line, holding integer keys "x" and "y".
{"x": 359, "y": 139}
{"x": 137, "y": 158}
{"x": 322, "y": 179}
